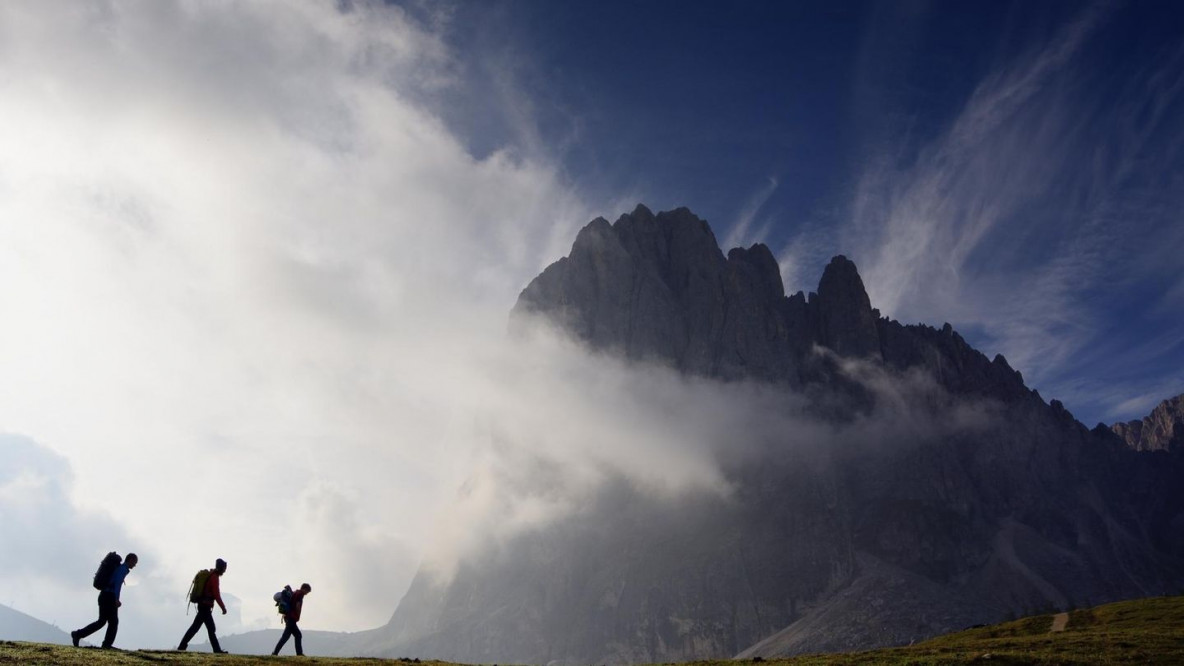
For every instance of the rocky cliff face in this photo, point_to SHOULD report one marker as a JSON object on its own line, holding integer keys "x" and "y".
{"x": 986, "y": 502}
{"x": 1161, "y": 430}
{"x": 657, "y": 287}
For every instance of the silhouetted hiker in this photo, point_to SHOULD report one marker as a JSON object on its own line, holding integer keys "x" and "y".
{"x": 206, "y": 591}
{"x": 291, "y": 617}
{"x": 109, "y": 602}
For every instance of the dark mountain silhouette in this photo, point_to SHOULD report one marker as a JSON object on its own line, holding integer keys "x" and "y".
{"x": 17, "y": 626}
{"x": 1161, "y": 430}
{"x": 946, "y": 493}
{"x": 262, "y": 642}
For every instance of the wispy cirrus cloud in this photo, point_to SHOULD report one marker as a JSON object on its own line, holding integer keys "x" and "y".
{"x": 1016, "y": 221}
{"x": 741, "y": 233}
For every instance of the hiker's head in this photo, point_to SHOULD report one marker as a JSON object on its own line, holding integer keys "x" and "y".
{"x": 131, "y": 560}
{"x": 306, "y": 588}
{"x": 220, "y": 566}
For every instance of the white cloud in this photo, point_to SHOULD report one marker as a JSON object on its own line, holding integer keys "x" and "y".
{"x": 52, "y": 547}
{"x": 565, "y": 422}
{"x": 239, "y": 253}
{"x": 256, "y": 292}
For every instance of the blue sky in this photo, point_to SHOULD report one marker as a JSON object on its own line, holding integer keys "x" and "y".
{"x": 282, "y": 239}
{"x": 1026, "y": 155}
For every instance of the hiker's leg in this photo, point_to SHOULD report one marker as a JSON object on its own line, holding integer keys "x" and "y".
{"x": 284, "y": 636}
{"x": 297, "y": 636}
{"x": 112, "y": 614}
{"x": 93, "y": 626}
{"x": 192, "y": 631}
{"x": 212, "y": 629}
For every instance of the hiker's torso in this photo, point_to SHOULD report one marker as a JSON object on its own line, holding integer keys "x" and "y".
{"x": 296, "y": 604}
{"x": 115, "y": 585}
{"x": 211, "y": 592}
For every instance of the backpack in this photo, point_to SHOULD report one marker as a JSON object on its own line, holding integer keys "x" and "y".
{"x": 106, "y": 569}
{"x": 283, "y": 600}
{"x": 198, "y": 589}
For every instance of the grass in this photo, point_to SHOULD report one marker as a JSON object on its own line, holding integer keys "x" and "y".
{"x": 1130, "y": 632}
{"x": 41, "y": 653}
{"x": 1146, "y": 631}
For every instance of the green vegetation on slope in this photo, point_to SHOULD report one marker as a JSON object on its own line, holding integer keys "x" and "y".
{"x": 1146, "y": 631}
{"x": 1129, "y": 632}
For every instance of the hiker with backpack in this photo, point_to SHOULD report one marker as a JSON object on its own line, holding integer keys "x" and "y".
{"x": 109, "y": 582}
{"x": 289, "y": 604}
{"x": 204, "y": 592}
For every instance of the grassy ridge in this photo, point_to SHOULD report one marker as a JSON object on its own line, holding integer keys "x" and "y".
{"x": 1131, "y": 632}
{"x": 40, "y": 653}
{"x": 1146, "y": 631}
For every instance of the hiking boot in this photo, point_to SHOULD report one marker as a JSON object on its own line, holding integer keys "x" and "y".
{"x": 112, "y": 647}
{"x": 182, "y": 648}
{"x": 74, "y": 637}
{"x": 220, "y": 651}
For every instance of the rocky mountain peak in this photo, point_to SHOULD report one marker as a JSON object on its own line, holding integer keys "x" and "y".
{"x": 841, "y": 275}
{"x": 847, "y": 322}
{"x": 764, "y": 266}
{"x": 975, "y": 500}
{"x": 657, "y": 287}
{"x": 671, "y": 244}
{"x": 593, "y": 233}
{"x": 1161, "y": 430}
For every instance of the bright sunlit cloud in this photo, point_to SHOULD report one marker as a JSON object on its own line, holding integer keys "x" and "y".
{"x": 240, "y": 253}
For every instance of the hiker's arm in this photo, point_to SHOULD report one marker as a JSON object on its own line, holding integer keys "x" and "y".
{"x": 218, "y": 592}
{"x": 117, "y": 578}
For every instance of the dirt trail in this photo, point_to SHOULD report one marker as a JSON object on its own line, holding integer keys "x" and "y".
{"x": 1059, "y": 621}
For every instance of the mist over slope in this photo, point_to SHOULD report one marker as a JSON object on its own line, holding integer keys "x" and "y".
{"x": 18, "y": 626}
{"x": 873, "y": 483}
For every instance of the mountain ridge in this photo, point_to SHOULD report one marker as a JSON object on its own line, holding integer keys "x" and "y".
{"x": 948, "y": 526}
{"x": 643, "y": 261}
{"x": 15, "y": 625}
{"x": 1161, "y": 430}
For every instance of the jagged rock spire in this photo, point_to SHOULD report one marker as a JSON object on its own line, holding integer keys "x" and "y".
{"x": 846, "y": 320}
